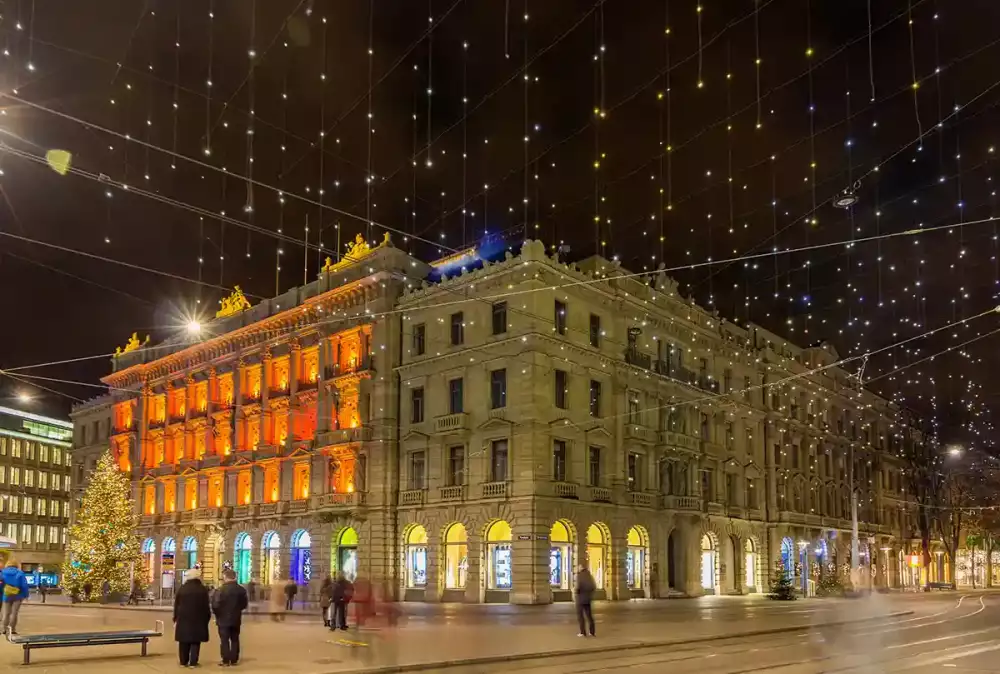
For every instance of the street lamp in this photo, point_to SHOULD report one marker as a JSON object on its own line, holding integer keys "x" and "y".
{"x": 955, "y": 450}
{"x": 24, "y": 397}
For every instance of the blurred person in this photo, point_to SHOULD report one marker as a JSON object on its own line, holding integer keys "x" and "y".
{"x": 42, "y": 591}
{"x": 229, "y": 603}
{"x": 326, "y": 599}
{"x": 252, "y": 590}
{"x": 88, "y": 588}
{"x": 105, "y": 591}
{"x": 291, "y": 589}
{"x": 15, "y": 591}
{"x": 363, "y": 598}
{"x": 278, "y": 602}
{"x": 342, "y": 594}
{"x": 192, "y": 613}
{"x": 585, "y": 588}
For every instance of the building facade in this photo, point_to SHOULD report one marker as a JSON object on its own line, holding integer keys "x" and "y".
{"x": 477, "y": 438}
{"x": 91, "y": 438}
{"x": 34, "y": 490}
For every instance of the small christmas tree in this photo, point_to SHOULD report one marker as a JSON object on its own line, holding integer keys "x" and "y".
{"x": 102, "y": 542}
{"x": 781, "y": 584}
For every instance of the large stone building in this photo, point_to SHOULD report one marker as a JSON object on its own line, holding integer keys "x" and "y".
{"x": 34, "y": 490}
{"x": 477, "y": 438}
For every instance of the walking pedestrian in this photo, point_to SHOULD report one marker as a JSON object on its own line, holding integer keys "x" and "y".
{"x": 585, "y": 587}
{"x": 192, "y": 614}
{"x": 229, "y": 603}
{"x": 252, "y": 590}
{"x": 42, "y": 591}
{"x": 15, "y": 591}
{"x": 291, "y": 589}
{"x": 326, "y": 599}
{"x": 343, "y": 593}
{"x": 105, "y": 591}
{"x": 278, "y": 602}
{"x": 88, "y": 588}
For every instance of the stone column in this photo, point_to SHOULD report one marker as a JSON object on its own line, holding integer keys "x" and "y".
{"x": 230, "y": 488}
{"x": 189, "y": 442}
{"x": 236, "y": 428}
{"x": 266, "y": 377}
{"x": 319, "y": 475}
{"x": 691, "y": 543}
{"x": 475, "y": 577}
{"x": 256, "y": 484}
{"x": 322, "y": 395}
{"x": 432, "y": 592}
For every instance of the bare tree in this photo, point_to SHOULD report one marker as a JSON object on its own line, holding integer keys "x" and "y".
{"x": 923, "y": 481}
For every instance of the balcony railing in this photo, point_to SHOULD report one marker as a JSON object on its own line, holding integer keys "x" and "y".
{"x": 453, "y": 493}
{"x": 602, "y": 494}
{"x": 671, "y": 502}
{"x": 298, "y": 506}
{"x": 639, "y": 432}
{"x": 565, "y": 490}
{"x": 451, "y": 423}
{"x": 498, "y": 413}
{"x": 679, "y": 441}
{"x": 277, "y": 392}
{"x": 642, "y": 499}
{"x": 639, "y": 359}
{"x": 250, "y": 397}
{"x": 340, "y": 499}
{"x": 336, "y": 370}
{"x": 495, "y": 490}
{"x": 412, "y": 497}
{"x": 157, "y": 423}
{"x": 308, "y": 384}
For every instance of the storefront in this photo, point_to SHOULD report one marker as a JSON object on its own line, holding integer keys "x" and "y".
{"x": 270, "y": 558}
{"x": 635, "y": 562}
{"x": 560, "y": 562}
{"x": 709, "y": 555}
{"x": 345, "y": 554}
{"x": 598, "y": 554}
{"x": 243, "y": 557}
{"x": 301, "y": 562}
{"x": 499, "y": 562}
{"x": 416, "y": 563}
{"x": 190, "y": 550}
{"x": 456, "y": 562}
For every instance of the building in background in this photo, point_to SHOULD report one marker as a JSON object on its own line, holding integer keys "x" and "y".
{"x": 91, "y": 438}
{"x": 474, "y": 430}
{"x": 34, "y": 490}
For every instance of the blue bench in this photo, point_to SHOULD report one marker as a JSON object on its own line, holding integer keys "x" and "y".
{"x": 84, "y": 639}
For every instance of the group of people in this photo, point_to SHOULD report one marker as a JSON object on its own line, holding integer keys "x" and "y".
{"x": 193, "y": 609}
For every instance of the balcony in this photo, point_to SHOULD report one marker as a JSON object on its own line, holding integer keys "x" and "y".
{"x": 600, "y": 494}
{"x": 715, "y": 508}
{"x": 343, "y": 436}
{"x": 365, "y": 364}
{"x": 251, "y": 397}
{"x": 706, "y": 383}
{"x": 272, "y": 509}
{"x": 679, "y": 441}
{"x": 159, "y": 422}
{"x": 277, "y": 392}
{"x": 412, "y": 497}
{"x": 340, "y": 499}
{"x": 639, "y": 359}
{"x": 298, "y": 506}
{"x": 498, "y": 413}
{"x": 641, "y": 499}
{"x": 210, "y": 515}
{"x": 495, "y": 490}
{"x": 714, "y": 450}
{"x": 565, "y": 490}
{"x": 199, "y": 413}
{"x": 453, "y": 493}
{"x": 187, "y": 517}
{"x": 149, "y": 520}
{"x": 244, "y": 511}
{"x": 308, "y": 384}
{"x": 639, "y": 433}
{"x": 451, "y": 423}
{"x": 176, "y": 419}
{"x": 691, "y": 503}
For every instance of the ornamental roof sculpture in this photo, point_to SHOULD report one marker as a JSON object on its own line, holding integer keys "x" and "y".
{"x": 358, "y": 251}
{"x": 232, "y": 305}
{"x": 131, "y": 345}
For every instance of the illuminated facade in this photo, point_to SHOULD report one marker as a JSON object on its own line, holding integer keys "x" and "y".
{"x": 478, "y": 438}
{"x": 35, "y": 490}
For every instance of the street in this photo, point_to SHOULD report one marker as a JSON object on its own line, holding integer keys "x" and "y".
{"x": 913, "y": 632}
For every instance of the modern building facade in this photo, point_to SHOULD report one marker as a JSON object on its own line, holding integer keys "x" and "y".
{"x": 34, "y": 490}
{"x": 91, "y": 439}
{"x": 477, "y": 438}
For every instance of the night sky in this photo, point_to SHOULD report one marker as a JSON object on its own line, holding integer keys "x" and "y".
{"x": 652, "y": 130}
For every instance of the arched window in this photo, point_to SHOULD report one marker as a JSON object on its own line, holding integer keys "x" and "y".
{"x": 560, "y": 557}
{"x": 456, "y": 557}
{"x": 750, "y": 564}
{"x": 498, "y": 556}
{"x": 190, "y": 549}
{"x": 597, "y": 554}
{"x": 788, "y": 557}
{"x": 243, "y": 557}
{"x": 708, "y": 556}
{"x": 301, "y": 557}
{"x": 345, "y": 553}
{"x": 635, "y": 559}
{"x": 416, "y": 557}
{"x": 270, "y": 558}
{"x": 168, "y": 551}
{"x": 149, "y": 560}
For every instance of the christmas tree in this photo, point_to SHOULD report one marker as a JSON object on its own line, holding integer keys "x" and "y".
{"x": 781, "y": 584}
{"x": 102, "y": 542}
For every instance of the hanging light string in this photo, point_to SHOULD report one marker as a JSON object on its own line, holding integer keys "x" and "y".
{"x": 465, "y": 133}
{"x": 525, "y": 126}
{"x": 701, "y": 46}
{"x": 371, "y": 66}
{"x": 871, "y": 56}
{"x": 322, "y": 143}
{"x": 913, "y": 69}
{"x": 176, "y": 88}
{"x": 756, "y": 59}
{"x": 248, "y": 206}
{"x": 207, "y": 149}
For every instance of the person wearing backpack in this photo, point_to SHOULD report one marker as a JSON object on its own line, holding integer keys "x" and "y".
{"x": 15, "y": 591}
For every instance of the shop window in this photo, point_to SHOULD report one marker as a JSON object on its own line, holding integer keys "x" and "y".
{"x": 456, "y": 557}
{"x": 416, "y": 557}
{"x": 301, "y": 561}
{"x": 499, "y": 556}
{"x": 560, "y": 557}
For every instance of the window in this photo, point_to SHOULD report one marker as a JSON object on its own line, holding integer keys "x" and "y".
{"x": 456, "y": 403}
{"x": 666, "y": 477}
{"x": 634, "y": 476}
{"x": 730, "y": 435}
{"x": 56, "y": 456}
{"x": 560, "y": 317}
{"x": 560, "y": 384}
{"x": 730, "y": 489}
{"x": 417, "y": 405}
{"x": 727, "y": 381}
{"x": 32, "y": 448}
{"x": 705, "y": 430}
{"x": 457, "y": 329}
{"x": 40, "y": 534}
{"x": 418, "y": 465}
{"x": 595, "y": 398}
{"x": 748, "y": 442}
{"x": 3, "y": 446}
{"x": 498, "y": 466}
{"x": 43, "y": 453}
{"x": 3, "y": 474}
{"x": 633, "y": 407}
{"x": 29, "y": 478}
{"x": 746, "y": 388}
{"x": 15, "y": 504}
{"x": 26, "y": 534}
{"x": 15, "y": 448}
{"x": 43, "y": 480}
{"x": 751, "y": 495}
{"x": 706, "y": 485}
{"x": 55, "y": 480}
{"x": 15, "y": 475}
{"x": 456, "y": 466}
{"x": 43, "y": 507}
{"x": 499, "y": 318}
{"x": 594, "y": 467}
{"x": 559, "y": 460}
{"x": 53, "y": 534}
{"x": 55, "y": 508}
{"x": 498, "y": 389}
{"x": 419, "y": 339}
{"x": 795, "y": 456}
{"x": 595, "y": 331}
{"x": 28, "y": 505}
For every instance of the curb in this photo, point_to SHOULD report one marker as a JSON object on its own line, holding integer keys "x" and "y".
{"x": 641, "y": 645}
{"x": 91, "y": 606}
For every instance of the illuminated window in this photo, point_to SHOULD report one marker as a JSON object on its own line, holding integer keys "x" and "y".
{"x": 15, "y": 475}
{"x": 416, "y": 557}
{"x": 301, "y": 481}
{"x": 271, "y": 486}
{"x": 456, "y": 557}
{"x": 29, "y": 478}
{"x": 499, "y": 556}
{"x": 215, "y": 491}
{"x": 191, "y": 494}
{"x": 149, "y": 499}
{"x": 243, "y": 488}
{"x": 170, "y": 497}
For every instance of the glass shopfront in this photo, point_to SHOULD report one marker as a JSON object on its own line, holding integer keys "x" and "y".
{"x": 456, "y": 557}
{"x": 346, "y": 553}
{"x": 597, "y": 554}
{"x": 635, "y": 560}
{"x": 560, "y": 557}
{"x": 416, "y": 557}
{"x": 499, "y": 556}
{"x": 243, "y": 557}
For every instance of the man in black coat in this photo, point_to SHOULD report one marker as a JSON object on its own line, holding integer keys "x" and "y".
{"x": 585, "y": 588}
{"x": 192, "y": 613}
{"x": 230, "y": 602}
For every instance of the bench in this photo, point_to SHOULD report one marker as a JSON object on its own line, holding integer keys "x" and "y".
{"x": 84, "y": 639}
{"x": 940, "y": 586}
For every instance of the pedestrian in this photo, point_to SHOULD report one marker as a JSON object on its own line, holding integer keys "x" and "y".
{"x": 192, "y": 613}
{"x": 15, "y": 591}
{"x": 343, "y": 593}
{"x": 88, "y": 588}
{"x": 291, "y": 589}
{"x": 42, "y": 591}
{"x": 133, "y": 597}
{"x": 326, "y": 599}
{"x": 278, "y": 602}
{"x": 585, "y": 587}
{"x": 229, "y": 603}
{"x": 105, "y": 591}
{"x": 252, "y": 590}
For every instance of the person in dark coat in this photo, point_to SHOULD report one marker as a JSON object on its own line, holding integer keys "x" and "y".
{"x": 585, "y": 588}
{"x": 326, "y": 599}
{"x": 192, "y": 613}
{"x": 343, "y": 592}
{"x": 291, "y": 589}
{"x": 229, "y": 603}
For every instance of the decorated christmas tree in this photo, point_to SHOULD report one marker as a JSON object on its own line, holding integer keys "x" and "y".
{"x": 102, "y": 542}
{"x": 781, "y": 584}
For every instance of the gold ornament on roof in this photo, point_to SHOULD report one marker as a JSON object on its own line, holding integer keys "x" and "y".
{"x": 358, "y": 251}
{"x": 232, "y": 305}
{"x": 132, "y": 344}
